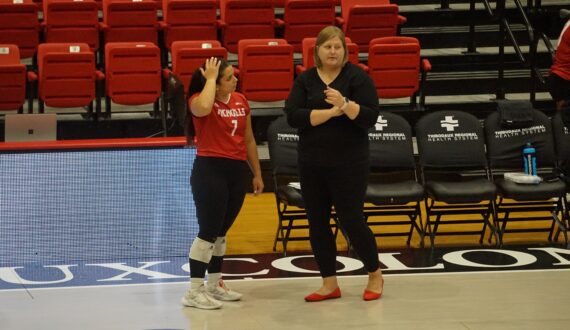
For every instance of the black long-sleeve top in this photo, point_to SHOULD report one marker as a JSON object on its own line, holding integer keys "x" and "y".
{"x": 340, "y": 140}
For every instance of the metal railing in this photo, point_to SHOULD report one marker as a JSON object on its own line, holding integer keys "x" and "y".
{"x": 535, "y": 8}
{"x": 505, "y": 31}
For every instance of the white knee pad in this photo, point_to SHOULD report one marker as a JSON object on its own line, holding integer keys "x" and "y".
{"x": 220, "y": 247}
{"x": 201, "y": 250}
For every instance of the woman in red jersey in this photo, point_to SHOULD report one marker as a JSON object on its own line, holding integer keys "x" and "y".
{"x": 220, "y": 127}
{"x": 558, "y": 81}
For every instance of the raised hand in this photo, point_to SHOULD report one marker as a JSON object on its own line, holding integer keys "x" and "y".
{"x": 212, "y": 67}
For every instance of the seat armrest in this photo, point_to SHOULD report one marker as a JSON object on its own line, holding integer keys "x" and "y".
{"x": 402, "y": 20}
{"x": 162, "y": 25}
{"x": 364, "y": 67}
{"x": 31, "y": 83}
{"x": 426, "y": 65}
{"x": 424, "y": 69}
{"x": 165, "y": 73}
{"x": 278, "y": 23}
{"x": 31, "y": 76}
{"x": 99, "y": 75}
{"x": 339, "y": 21}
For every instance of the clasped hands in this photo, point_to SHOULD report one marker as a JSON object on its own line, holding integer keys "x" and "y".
{"x": 335, "y": 98}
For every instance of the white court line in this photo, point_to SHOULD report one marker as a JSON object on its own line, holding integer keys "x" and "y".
{"x": 294, "y": 278}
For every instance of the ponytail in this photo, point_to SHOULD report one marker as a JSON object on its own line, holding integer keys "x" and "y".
{"x": 196, "y": 85}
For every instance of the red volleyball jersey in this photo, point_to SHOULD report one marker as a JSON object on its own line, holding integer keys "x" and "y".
{"x": 561, "y": 66}
{"x": 222, "y": 132}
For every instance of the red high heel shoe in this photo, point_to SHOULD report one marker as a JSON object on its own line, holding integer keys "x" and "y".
{"x": 319, "y": 297}
{"x": 369, "y": 295}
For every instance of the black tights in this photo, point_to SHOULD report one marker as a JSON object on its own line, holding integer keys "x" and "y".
{"x": 219, "y": 186}
{"x": 344, "y": 188}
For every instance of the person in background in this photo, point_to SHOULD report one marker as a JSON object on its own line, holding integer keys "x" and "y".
{"x": 558, "y": 81}
{"x": 220, "y": 127}
{"x": 333, "y": 105}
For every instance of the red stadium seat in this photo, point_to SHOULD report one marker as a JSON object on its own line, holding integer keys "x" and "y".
{"x": 130, "y": 21}
{"x": 12, "y": 79}
{"x": 265, "y": 69}
{"x": 67, "y": 76}
{"x": 188, "y": 20}
{"x": 395, "y": 65}
{"x": 133, "y": 74}
{"x": 281, "y": 3}
{"x": 71, "y": 21}
{"x": 305, "y": 18}
{"x": 309, "y": 50}
{"x": 19, "y": 26}
{"x": 187, "y": 56}
{"x": 246, "y": 19}
{"x": 364, "y": 20}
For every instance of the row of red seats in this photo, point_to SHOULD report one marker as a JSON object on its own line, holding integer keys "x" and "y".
{"x": 136, "y": 20}
{"x": 67, "y": 74}
{"x": 276, "y": 3}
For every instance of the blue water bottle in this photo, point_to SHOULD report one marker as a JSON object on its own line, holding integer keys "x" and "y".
{"x": 529, "y": 158}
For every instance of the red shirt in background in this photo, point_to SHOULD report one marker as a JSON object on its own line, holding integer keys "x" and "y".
{"x": 561, "y": 66}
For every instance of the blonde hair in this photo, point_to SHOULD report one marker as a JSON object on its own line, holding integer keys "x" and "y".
{"x": 325, "y": 35}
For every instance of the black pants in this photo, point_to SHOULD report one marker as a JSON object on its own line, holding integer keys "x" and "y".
{"x": 219, "y": 186}
{"x": 344, "y": 188}
{"x": 558, "y": 87}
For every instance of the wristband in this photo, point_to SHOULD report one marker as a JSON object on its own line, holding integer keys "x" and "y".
{"x": 346, "y": 100}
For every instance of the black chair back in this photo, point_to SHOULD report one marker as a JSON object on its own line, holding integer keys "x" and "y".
{"x": 505, "y": 145}
{"x": 391, "y": 143}
{"x": 449, "y": 139}
{"x": 283, "y": 140}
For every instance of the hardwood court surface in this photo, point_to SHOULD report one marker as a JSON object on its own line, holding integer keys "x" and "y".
{"x": 255, "y": 228}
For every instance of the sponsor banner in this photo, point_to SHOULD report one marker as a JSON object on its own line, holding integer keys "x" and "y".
{"x": 176, "y": 269}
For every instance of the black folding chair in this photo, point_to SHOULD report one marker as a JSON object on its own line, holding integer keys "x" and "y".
{"x": 520, "y": 202}
{"x": 455, "y": 174}
{"x": 282, "y": 140}
{"x": 393, "y": 188}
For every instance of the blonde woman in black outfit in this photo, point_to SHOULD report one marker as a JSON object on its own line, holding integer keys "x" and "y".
{"x": 333, "y": 105}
